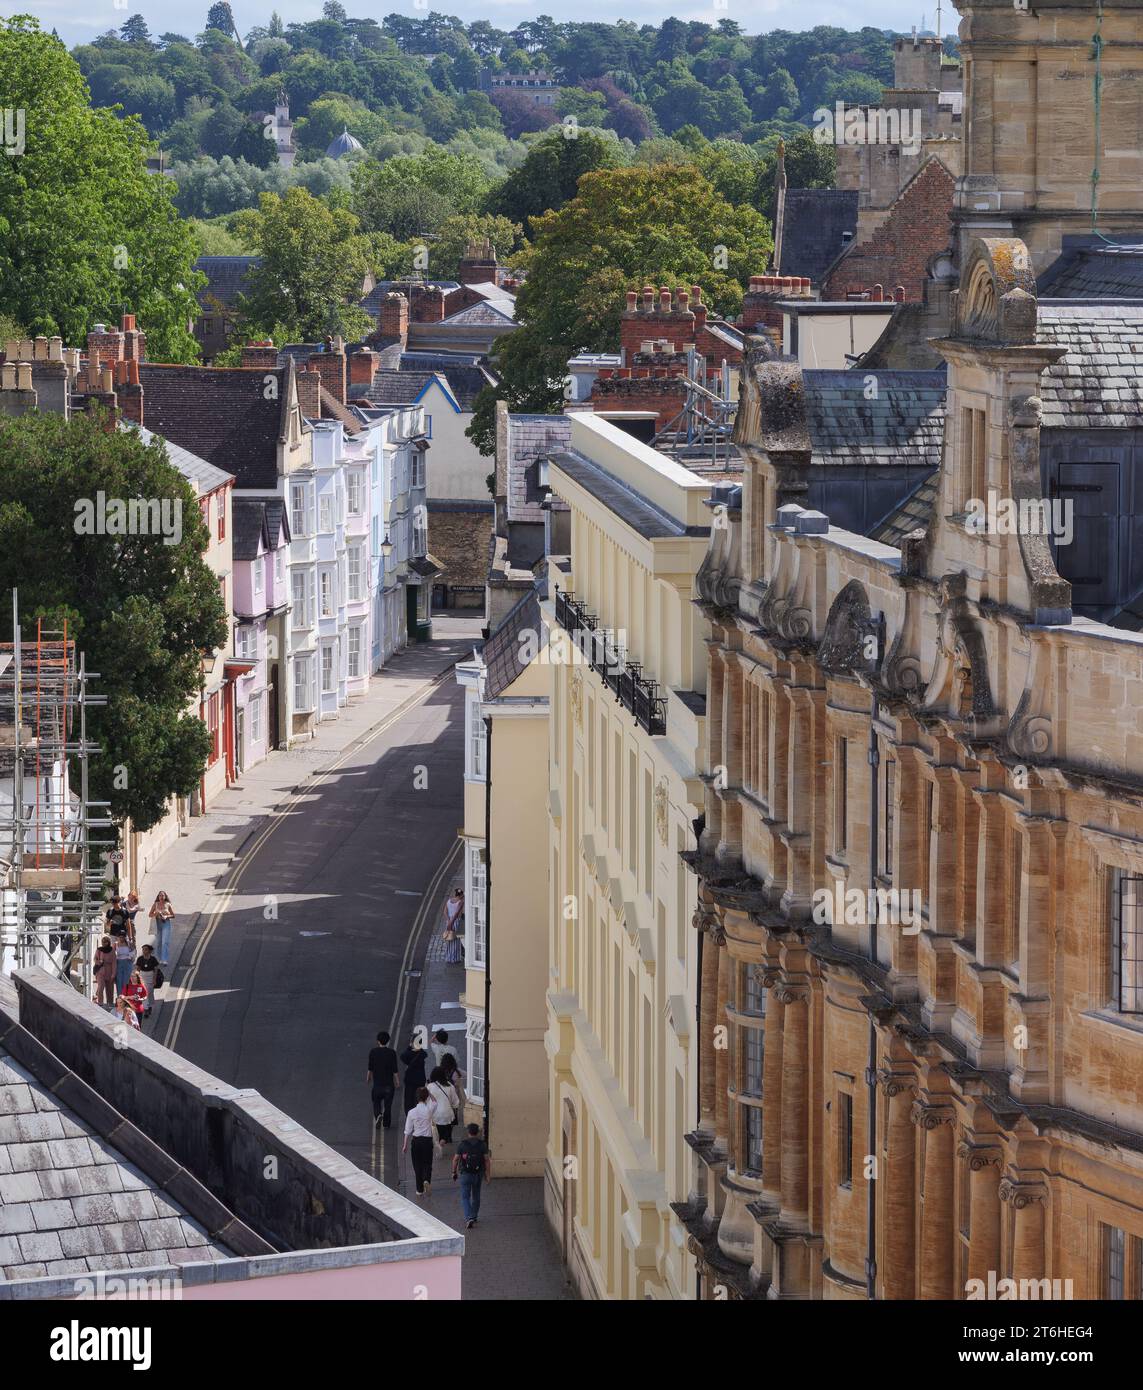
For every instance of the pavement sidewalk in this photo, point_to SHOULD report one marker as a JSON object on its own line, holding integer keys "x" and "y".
{"x": 511, "y": 1253}
{"x": 191, "y": 869}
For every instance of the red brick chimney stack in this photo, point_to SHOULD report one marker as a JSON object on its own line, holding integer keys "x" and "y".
{"x": 330, "y": 367}
{"x": 309, "y": 393}
{"x": 263, "y": 355}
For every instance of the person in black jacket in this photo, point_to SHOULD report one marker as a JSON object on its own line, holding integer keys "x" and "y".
{"x": 413, "y": 1058}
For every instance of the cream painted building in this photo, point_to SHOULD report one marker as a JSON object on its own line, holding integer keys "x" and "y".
{"x": 506, "y": 888}
{"x": 627, "y": 731}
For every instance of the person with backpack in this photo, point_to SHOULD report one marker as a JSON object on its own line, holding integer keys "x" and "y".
{"x": 118, "y": 919}
{"x": 472, "y": 1163}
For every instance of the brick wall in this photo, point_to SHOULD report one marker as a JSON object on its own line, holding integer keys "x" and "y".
{"x": 900, "y": 250}
{"x": 642, "y": 388}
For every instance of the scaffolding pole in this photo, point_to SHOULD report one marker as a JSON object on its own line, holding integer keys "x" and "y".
{"x": 52, "y": 871}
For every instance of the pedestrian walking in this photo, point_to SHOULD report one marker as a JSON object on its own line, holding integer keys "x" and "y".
{"x": 383, "y": 1080}
{"x": 455, "y": 1078}
{"x": 117, "y": 918}
{"x": 132, "y": 907}
{"x": 438, "y": 1045}
{"x": 446, "y": 1100}
{"x": 152, "y": 975}
{"x": 419, "y": 1130}
{"x": 453, "y": 933}
{"x": 125, "y": 1011}
{"x": 105, "y": 974}
{"x": 472, "y": 1163}
{"x": 124, "y": 962}
{"x": 413, "y": 1059}
{"x": 136, "y": 992}
{"x": 162, "y": 913}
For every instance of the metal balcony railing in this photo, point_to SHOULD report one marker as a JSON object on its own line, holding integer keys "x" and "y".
{"x": 609, "y": 661}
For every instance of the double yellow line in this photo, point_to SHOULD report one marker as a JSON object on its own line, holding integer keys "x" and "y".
{"x": 187, "y": 983}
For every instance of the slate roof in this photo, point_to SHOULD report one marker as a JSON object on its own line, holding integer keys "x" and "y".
{"x": 225, "y": 278}
{"x": 904, "y": 423}
{"x": 1095, "y": 271}
{"x": 492, "y": 313}
{"x": 1099, "y": 384}
{"x": 248, "y": 527}
{"x": 371, "y": 302}
{"x": 628, "y": 505}
{"x": 812, "y": 226}
{"x": 528, "y": 437}
{"x": 203, "y": 476}
{"x": 503, "y": 653}
{"x": 70, "y": 1203}
{"x": 342, "y": 144}
{"x": 222, "y": 413}
{"x": 403, "y": 388}
{"x": 911, "y": 515}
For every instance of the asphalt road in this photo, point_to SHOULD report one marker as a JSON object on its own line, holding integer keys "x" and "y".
{"x": 305, "y": 960}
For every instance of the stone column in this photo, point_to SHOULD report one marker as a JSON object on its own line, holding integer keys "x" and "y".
{"x": 1028, "y": 1202}
{"x": 983, "y": 1210}
{"x": 722, "y": 1054}
{"x": 798, "y": 893}
{"x": 730, "y": 841}
{"x": 772, "y": 1091}
{"x": 795, "y": 1182}
{"x": 899, "y": 1189}
{"x": 936, "y": 1278}
{"x": 708, "y": 1004}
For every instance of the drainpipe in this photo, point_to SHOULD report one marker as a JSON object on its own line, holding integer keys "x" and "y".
{"x": 871, "y": 1068}
{"x": 487, "y": 928}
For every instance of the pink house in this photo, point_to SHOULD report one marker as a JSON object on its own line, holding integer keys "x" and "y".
{"x": 261, "y": 553}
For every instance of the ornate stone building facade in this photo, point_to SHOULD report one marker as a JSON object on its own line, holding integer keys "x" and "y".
{"x": 921, "y": 992}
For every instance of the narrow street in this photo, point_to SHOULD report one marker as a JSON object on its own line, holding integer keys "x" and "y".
{"x": 301, "y": 954}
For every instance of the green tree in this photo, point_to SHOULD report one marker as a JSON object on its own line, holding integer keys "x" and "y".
{"x": 427, "y": 187}
{"x": 82, "y": 238}
{"x": 134, "y": 30}
{"x": 550, "y": 174}
{"x": 142, "y": 612}
{"x": 221, "y": 17}
{"x": 455, "y": 233}
{"x": 664, "y": 225}
{"x": 314, "y": 260}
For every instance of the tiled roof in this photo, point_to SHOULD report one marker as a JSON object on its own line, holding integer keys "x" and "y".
{"x": 504, "y": 651}
{"x": 528, "y": 437}
{"x": 70, "y": 1203}
{"x": 371, "y": 303}
{"x": 248, "y": 527}
{"x": 813, "y": 222}
{"x": 202, "y": 475}
{"x": 277, "y": 521}
{"x": 226, "y": 277}
{"x": 911, "y": 515}
{"x": 1095, "y": 272}
{"x": 404, "y": 388}
{"x": 332, "y": 409}
{"x": 904, "y": 423}
{"x": 1099, "y": 384}
{"x": 494, "y": 312}
{"x": 224, "y": 414}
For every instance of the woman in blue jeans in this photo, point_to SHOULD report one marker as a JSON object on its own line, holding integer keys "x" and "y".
{"x": 162, "y": 914}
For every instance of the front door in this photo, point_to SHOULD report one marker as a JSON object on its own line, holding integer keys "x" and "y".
{"x": 240, "y": 740}
{"x": 272, "y": 700}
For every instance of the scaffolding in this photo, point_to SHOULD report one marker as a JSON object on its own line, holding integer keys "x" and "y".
{"x": 52, "y": 872}
{"x": 702, "y": 433}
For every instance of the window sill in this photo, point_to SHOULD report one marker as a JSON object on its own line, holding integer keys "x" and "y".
{"x": 1110, "y": 1018}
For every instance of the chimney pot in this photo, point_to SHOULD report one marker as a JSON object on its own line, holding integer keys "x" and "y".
{"x": 133, "y": 372}
{"x": 899, "y": 294}
{"x": 100, "y": 328}
{"x": 55, "y": 349}
{"x": 664, "y": 299}
{"x": 128, "y": 323}
{"x": 26, "y": 349}
{"x": 8, "y": 376}
{"x": 106, "y": 383}
{"x": 696, "y": 294}
{"x": 878, "y": 294}
{"x": 632, "y": 300}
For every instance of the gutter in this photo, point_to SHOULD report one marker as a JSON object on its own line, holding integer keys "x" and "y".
{"x": 871, "y": 1065}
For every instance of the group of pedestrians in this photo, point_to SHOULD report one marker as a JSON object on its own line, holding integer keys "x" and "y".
{"x": 126, "y": 979}
{"x": 434, "y": 1101}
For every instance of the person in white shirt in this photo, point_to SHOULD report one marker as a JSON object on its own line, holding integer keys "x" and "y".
{"x": 447, "y": 1101}
{"x": 419, "y": 1128}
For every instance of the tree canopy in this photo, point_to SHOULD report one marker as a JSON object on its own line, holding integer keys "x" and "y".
{"x": 142, "y": 612}
{"x": 85, "y": 230}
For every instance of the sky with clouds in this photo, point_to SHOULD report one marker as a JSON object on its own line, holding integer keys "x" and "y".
{"x": 77, "y": 21}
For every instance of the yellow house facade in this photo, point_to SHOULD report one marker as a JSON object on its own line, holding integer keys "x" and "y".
{"x": 627, "y": 730}
{"x": 505, "y": 836}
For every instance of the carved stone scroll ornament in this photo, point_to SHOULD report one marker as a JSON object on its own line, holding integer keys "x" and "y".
{"x": 927, "y": 1116}
{"x": 1030, "y": 733}
{"x": 978, "y": 1156}
{"x": 903, "y": 674}
{"x": 1021, "y": 1194}
{"x": 895, "y": 1083}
